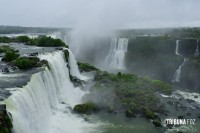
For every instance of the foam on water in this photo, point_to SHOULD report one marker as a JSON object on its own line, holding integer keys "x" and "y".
{"x": 43, "y": 105}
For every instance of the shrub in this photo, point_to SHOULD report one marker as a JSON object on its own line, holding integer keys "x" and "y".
{"x": 23, "y": 39}
{"x": 85, "y": 67}
{"x": 45, "y": 41}
{"x": 130, "y": 113}
{"x": 157, "y": 123}
{"x": 163, "y": 87}
{"x": 10, "y": 56}
{"x": 26, "y": 62}
{"x": 86, "y": 108}
{"x": 148, "y": 114}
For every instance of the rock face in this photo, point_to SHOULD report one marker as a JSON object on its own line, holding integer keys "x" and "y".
{"x": 160, "y": 57}
{"x": 188, "y": 46}
{"x": 5, "y": 121}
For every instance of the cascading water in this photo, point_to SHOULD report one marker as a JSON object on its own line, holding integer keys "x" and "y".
{"x": 177, "y": 75}
{"x": 197, "y": 48}
{"x": 116, "y": 56}
{"x": 73, "y": 64}
{"x": 177, "y": 47}
{"x": 43, "y": 105}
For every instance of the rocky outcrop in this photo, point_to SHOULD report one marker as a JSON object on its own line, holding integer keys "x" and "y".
{"x": 5, "y": 121}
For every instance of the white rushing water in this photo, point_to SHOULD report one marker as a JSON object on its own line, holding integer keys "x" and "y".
{"x": 43, "y": 105}
{"x": 73, "y": 64}
{"x": 177, "y": 47}
{"x": 197, "y": 48}
{"x": 177, "y": 75}
{"x": 116, "y": 56}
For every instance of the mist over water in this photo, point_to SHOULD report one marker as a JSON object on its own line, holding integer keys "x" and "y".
{"x": 43, "y": 105}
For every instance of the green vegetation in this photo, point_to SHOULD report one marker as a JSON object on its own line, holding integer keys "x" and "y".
{"x": 157, "y": 123}
{"x": 186, "y": 32}
{"x": 19, "y": 29}
{"x": 153, "y": 56}
{"x": 26, "y": 62}
{"x": 10, "y": 54}
{"x": 5, "y": 48}
{"x": 85, "y": 67}
{"x": 5, "y": 123}
{"x": 129, "y": 94}
{"x": 5, "y": 39}
{"x": 86, "y": 108}
{"x": 23, "y": 39}
{"x": 41, "y": 41}
{"x": 44, "y": 41}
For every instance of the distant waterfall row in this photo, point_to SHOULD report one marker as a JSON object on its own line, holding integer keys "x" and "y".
{"x": 177, "y": 75}
{"x": 43, "y": 105}
{"x": 116, "y": 56}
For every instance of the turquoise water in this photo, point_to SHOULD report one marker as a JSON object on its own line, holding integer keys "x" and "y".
{"x": 117, "y": 123}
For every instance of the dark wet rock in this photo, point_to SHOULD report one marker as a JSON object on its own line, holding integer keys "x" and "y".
{"x": 157, "y": 123}
{"x": 76, "y": 81}
{"x": 190, "y": 101}
{"x": 195, "y": 96}
{"x": 188, "y": 114}
{"x": 183, "y": 108}
{"x": 59, "y": 48}
{"x": 179, "y": 132}
{"x": 63, "y": 103}
{"x": 170, "y": 103}
{"x": 180, "y": 117}
{"x": 170, "y": 126}
{"x": 5, "y": 70}
{"x": 198, "y": 116}
{"x": 13, "y": 68}
{"x": 2, "y": 107}
{"x": 5, "y": 121}
{"x": 33, "y": 54}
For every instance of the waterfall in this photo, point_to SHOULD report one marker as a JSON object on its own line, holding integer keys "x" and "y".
{"x": 116, "y": 56}
{"x": 43, "y": 105}
{"x": 197, "y": 48}
{"x": 177, "y": 75}
{"x": 177, "y": 47}
{"x": 73, "y": 64}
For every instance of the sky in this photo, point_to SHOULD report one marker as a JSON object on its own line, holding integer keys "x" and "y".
{"x": 100, "y": 13}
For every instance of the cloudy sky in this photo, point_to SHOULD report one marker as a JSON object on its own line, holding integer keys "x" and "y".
{"x": 100, "y": 13}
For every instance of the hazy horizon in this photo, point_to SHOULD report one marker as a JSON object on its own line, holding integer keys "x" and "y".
{"x": 121, "y": 14}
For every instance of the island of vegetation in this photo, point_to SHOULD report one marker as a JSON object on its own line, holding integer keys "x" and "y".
{"x": 125, "y": 93}
{"x": 41, "y": 41}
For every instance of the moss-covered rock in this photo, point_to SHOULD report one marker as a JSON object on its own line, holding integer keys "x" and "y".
{"x": 45, "y": 63}
{"x": 5, "y": 121}
{"x": 85, "y": 67}
{"x": 157, "y": 123}
{"x": 86, "y": 108}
